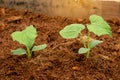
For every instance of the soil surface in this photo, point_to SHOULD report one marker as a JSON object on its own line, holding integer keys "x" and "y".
{"x": 59, "y": 61}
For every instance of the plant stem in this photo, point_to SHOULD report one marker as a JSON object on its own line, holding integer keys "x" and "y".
{"x": 29, "y": 54}
{"x": 83, "y": 41}
{"x": 88, "y": 45}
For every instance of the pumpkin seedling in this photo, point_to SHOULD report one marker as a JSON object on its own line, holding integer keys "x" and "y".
{"x": 27, "y": 38}
{"x": 98, "y": 26}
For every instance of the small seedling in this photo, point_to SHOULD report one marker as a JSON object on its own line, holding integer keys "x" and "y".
{"x": 27, "y": 38}
{"x": 98, "y": 26}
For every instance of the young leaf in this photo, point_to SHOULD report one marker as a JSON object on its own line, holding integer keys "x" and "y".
{"x": 94, "y": 43}
{"x": 18, "y": 51}
{"x": 71, "y": 31}
{"x": 26, "y": 37}
{"x": 99, "y": 26}
{"x": 39, "y": 47}
{"x": 83, "y": 50}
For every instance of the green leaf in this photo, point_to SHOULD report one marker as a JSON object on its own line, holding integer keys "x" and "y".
{"x": 83, "y": 50}
{"x": 26, "y": 37}
{"x": 39, "y": 47}
{"x": 18, "y": 51}
{"x": 99, "y": 26}
{"x": 71, "y": 31}
{"x": 94, "y": 43}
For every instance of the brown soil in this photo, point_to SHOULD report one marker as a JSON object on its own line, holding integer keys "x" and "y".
{"x": 59, "y": 61}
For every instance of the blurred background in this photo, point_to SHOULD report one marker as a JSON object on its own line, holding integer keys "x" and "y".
{"x": 67, "y": 8}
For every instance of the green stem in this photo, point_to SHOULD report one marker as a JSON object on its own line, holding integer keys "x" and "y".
{"x": 88, "y": 45}
{"x": 29, "y": 54}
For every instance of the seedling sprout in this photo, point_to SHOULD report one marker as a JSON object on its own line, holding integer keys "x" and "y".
{"x": 27, "y": 38}
{"x": 98, "y": 26}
